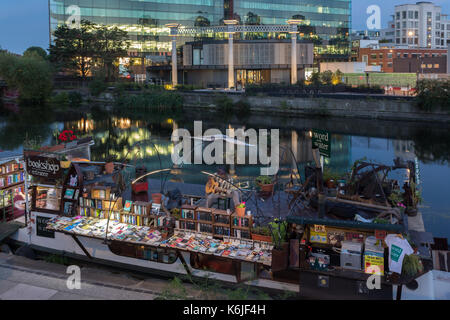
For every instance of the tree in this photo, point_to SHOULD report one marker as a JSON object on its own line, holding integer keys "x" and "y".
{"x": 201, "y": 21}
{"x": 315, "y": 78}
{"x": 30, "y": 75}
{"x": 326, "y": 77}
{"x": 38, "y": 51}
{"x": 79, "y": 50}
{"x": 111, "y": 44}
{"x": 74, "y": 49}
{"x": 337, "y": 77}
{"x": 252, "y": 19}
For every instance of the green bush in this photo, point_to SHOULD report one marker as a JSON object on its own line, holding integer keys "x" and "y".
{"x": 156, "y": 100}
{"x": 97, "y": 87}
{"x": 30, "y": 75}
{"x": 326, "y": 77}
{"x": 224, "y": 104}
{"x": 75, "y": 99}
{"x": 242, "y": 108}
{"x": 433, "y": 95}
{"x": 60, "y": 100}
{"x": 187, "y": 87}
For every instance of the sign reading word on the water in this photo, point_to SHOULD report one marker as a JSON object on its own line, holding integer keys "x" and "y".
{"x": 43, "y": 167}
{"x": 322, "y": 139}
{"x": 41, "y": 228}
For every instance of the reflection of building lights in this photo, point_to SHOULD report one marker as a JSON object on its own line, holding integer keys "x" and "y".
{"x": 85, "y": 125}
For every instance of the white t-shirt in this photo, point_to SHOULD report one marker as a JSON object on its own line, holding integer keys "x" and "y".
{"x": 398, "y": 248}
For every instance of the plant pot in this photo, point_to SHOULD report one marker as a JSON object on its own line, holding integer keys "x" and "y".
{"x": 266, "y": 187}
{"x": 240, "y": 212}
{"x": 65, "y": 164}
{"x": 411, "y": 212}
{"x": 330, "y": 184}
{"x": 280, "y": 258}
{"x": 156, "y": 198}
{"x": 109, "y": 167}
{"x": 260, "y": 237}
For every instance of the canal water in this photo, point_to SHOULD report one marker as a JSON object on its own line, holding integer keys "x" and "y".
{"x": 115, "y": 134}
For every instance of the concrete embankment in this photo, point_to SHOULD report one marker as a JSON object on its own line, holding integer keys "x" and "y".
{"x": 363, "y": 107}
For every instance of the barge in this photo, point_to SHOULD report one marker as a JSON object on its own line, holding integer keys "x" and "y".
{"x": 324, "y": 245}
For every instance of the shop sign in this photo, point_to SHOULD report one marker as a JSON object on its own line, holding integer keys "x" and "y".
{"x": 44, "y": 167}
{"x": 41, "y": 228}
{"x": 321, "y": 140}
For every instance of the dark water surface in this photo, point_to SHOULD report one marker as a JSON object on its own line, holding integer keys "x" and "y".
{"x": 379, "y": 141}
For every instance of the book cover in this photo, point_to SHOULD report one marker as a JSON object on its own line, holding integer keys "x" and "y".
{"x": 69, "y": 193}
{"x": 67, "y": 207}
{"x": 127, "y": 206}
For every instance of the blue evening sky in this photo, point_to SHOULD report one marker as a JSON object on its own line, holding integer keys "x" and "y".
{"x": 24, "y": 23}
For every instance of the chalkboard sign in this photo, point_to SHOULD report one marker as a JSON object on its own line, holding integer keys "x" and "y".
{"x": 41, "y": 228}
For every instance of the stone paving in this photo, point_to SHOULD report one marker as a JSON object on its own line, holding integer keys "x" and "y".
{"x": 25, "y": 279}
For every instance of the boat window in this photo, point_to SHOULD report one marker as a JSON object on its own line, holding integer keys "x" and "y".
{"x": 46, "y": 199}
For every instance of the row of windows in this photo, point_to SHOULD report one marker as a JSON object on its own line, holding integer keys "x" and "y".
{"x": 423, "y": 66}
{"x": 389, "y": 55}
{"x": 292, "y": 7}
{"x": 411, "y": 15}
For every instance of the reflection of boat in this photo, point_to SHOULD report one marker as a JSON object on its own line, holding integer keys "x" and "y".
{"x": 160, "y": 246}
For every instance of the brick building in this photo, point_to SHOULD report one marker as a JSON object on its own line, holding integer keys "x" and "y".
{"x": 392, "y": 59}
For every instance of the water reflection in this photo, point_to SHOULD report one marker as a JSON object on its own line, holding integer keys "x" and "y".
{"x": 378, "y": 141}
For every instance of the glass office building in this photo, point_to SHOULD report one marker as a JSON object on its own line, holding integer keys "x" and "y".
{"x": 326, "y": 22}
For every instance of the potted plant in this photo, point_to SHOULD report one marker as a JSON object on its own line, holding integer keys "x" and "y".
{"x": 265, "y": 183}
{"x": 64, "y": 162}
{"x": 280, "y": 251}
{"x": 416, "y": 199}
{"x": 330, "y": 178}
{"x": 240, "y": 209}
{"x": 175, "y": 213}
{"x": 261, "y": 233}
{"x": 411, "y": 265}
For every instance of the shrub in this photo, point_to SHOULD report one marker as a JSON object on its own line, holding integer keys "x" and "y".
{"x": 97, "y": 87}
{"x": 156, "y": 100}
{"x": 242, "y": 108}
{"x": 60, "y": 100}
{"x": 224, "y": 104}
{"x": 433, "y": 94}
{"x": 326, "y": 77}
{"x": 30, "y": 75}
{"x": 75, "y": 98}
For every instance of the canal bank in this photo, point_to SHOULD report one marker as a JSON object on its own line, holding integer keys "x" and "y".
{"x": 337, "y": 105}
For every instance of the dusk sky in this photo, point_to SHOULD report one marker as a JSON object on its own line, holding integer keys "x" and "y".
{"x": 24, "y": 23}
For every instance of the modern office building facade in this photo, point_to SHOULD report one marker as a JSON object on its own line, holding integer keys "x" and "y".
{"x": 325, "y": 22}
{"x": 421, "y": 25}
{"x": 255, "y": 61}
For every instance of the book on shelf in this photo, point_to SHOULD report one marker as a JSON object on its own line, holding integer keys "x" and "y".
{"x": 188, "y": 212}
{"x": 68, "y": 207}
{"x": 156, "y": 207}
{"x": 69, "y": 193}
{"x": 142, "y": 208}
{"x": 100, "y": 193}
{"x": 127, "y": 206}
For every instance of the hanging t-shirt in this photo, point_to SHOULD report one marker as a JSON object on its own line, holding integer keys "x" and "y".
{"x": 398, "y": 248}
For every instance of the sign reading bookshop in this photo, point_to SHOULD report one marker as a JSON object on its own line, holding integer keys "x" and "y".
{"x": 48, "y": 168}
{"x": 321, "y": 140}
